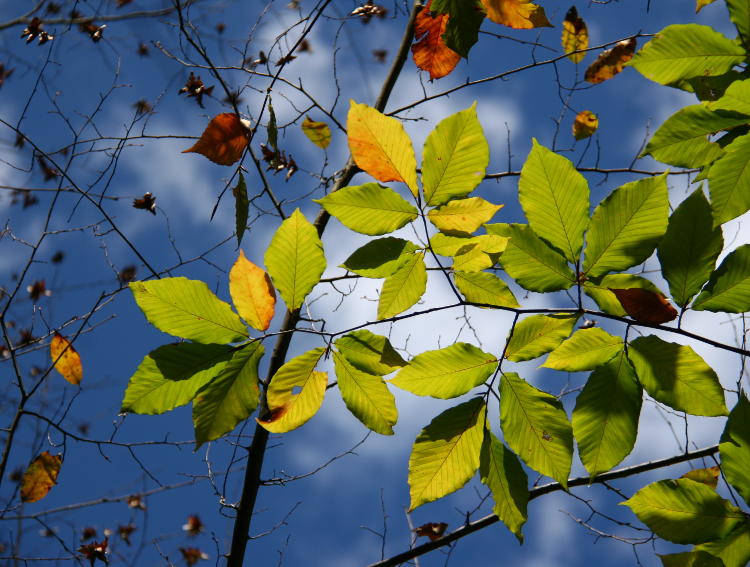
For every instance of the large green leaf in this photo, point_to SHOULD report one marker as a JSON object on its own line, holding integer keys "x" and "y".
{"x": 676, "y": 376}
{"x": 366, "y": 396}
{"x": 404, "y": 288}
{"x": 369, "y": 209}
{"x": 555, "y": 198}
{"x": 690, "y": 247}
{"x": 446, "y": 373}
{"x": 736, "y": 97}
{"x": 729, "y": 181}
{"x": 586, "y": 349}
{"x": 626, "y": 226}
{"x": 483, "y": 287}
{"x": 690, "y": 559}
{"x": 455, "y": 157}
{"x": 598, "y": 289}
{"x": 170, "y": 376}
{"x": 739, "y": 13}
{"x": 684, "y": 511}
{"x": 682, "y": 51}
{"x": 735, "y": 448}
{"x": 682, "y": 139}
{"x": 605, "y": 419}
{"x": 539, "y": 334}
{"x": 380, "y": 258}
{"x": 502, "y": 473}
{"x": 189, "y": 310}
{"x": 295, "y": 259}
{"x": 446, "y": 453}
{"x": 536, "y": 427}
{"x": 530, "y": 261}
{"x": 230, "y": 398}
{"x": 734, "y": 549}
{"x": 369, "y": 352}
{"x": 728, "y": 288}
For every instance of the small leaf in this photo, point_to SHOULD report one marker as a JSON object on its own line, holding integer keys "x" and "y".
{"x": 610, "y": 62}
{"x": 432, "y": 530}
{"x": 728, "y": 289}
{"x": 585, "y": 124}
{"x": 518, "y": 14}
{"x": 66, "y": 359}
{"x": 575, "y": 35}
{"x": 429, "y": 50}
{"x": 317, "y": 132}
{"x": 380, "y": 258}
{"x": 404, "y": 288}
{"x": 483, "y": 287}
{"x": 241, "y": 206}
{"x": 223, "y": 141}
{"x": 462, "y": 216}
{"x": 645, "y": 305}
{"x": 708, "y": 476}
{"x": 40, "y": 477}
{"x": 539, "y": 334}
{"x": 252, "y": 293}
{"x": 369, "y": 352}
{"x": 586, "y": 349}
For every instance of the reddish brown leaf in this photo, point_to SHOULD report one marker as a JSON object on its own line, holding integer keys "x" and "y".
{"x": 147, "y": 203}
{"x": 94, "y": 551}
{"x": 432, "y": 530}
{"x": 430, "y": 52}
{"x": 125, "y": 531}
{"x": 611, "y": 62}
{"x": 40, "y": 477}
{"x": 645, "y": 305}
{"x": 194, "y": 525}
{"x": 192, "y": 555}
{"x": 223, "y": 141}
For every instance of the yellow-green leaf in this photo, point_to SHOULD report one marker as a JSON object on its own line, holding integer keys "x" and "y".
{"x": 463, "y": 216}
{"x": 586, "y": 349}
{"x": 318, "y": 132}
{"x": 486, "y": 288}
{"x": 40, "y": 476}
{"x": 404, "y": 288}
{"x": 369, "y": 352}
{"x": 539, "y": 334}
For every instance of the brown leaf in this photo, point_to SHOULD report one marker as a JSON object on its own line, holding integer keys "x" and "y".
{"x": 611, "y": 62}
{"x": 147, "y": 203}
{"x": 194, "y": 525}
{"x": 40, "y": 477}
{"x": 94, "y": 551}
{"x": 429, "y": 51}
{"x": 645, "y": 305}
{"x": 66, "y": 360}
{"x": 223, "y": 141}
{"x": 585, "y": 124}
{"x": 518, "y": 14}
{"x": 194, "y": 87}
{"x": 575, "y": 35}
{"x": 192, "y": 555}
{"x": 433, "y": 530}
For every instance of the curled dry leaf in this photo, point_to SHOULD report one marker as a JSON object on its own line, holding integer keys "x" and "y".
{"x": 645, "y": 305}
{"x": 575, "y": 35}
{"x": 518, "y": 14}
{"x": 611, "y": 62}
{"x": 429, "y": 51}
{"x": 223, "y": 141}
{"x": 585, "y": 124}
{"x": 318, "y": 132}
{"x": 40, "y": 477}
{"x": 66, "y": 360}
{"x": 432, "y": 530}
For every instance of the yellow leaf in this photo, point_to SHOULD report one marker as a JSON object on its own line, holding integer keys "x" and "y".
{"x": 611, "y": 62}
{"x": 518, "y": 14}
{"x": 318, "y": 132}
{"x": 700, "y": 4}
{"x": 66, "y": 360}
{"x": 575, "y": 35}
{"x": 40, "y": 477}
{"x": 462, "y": 216}
{"x": 585, "y": 124}
{"x": 252, "y": 293}
{"x": 380, "y": 146}
{"x": 708, "y": 476}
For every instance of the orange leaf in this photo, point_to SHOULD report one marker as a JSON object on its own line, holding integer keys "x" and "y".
{"x": 223, "y": 140}
{"x": 252, "y": 293}
{"x": 430, "y": 52}
{"x": 318, "y": 132}
{"x": 433, "y": 530}
{"x": 645, "y": 305}
{"x": 40, "y": 477}
{"x": 66, "y": 360}
{"x": 585, "y": 124}
{"x": 611, "y": 62}
{"x": 709, "y": 476}
{"x": 518, "y": 14}
{"x": 575, "y": 35}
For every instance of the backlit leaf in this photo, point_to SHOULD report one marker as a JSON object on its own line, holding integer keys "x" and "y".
{"x": 735, "y": 448}
{"x": 518, "y": 14}
{"x": 66, "y": 359}
{"x": 729, "y": 181}
{"x": 536, "y": 427}
{"x": 586, "y": 349}
{"x": 380, "y": 258}
{"x": 575, "y": 35}
{"x": 734, "y": 549}
{"x": 483, "y": 287}
{"x": 700, "y": 4}
{"x": 40, "y": 476}
{"x": 585, "y": 125}
{"x": 252, "y": 293}
{"x": 691, "y": 558}
{"x": 539, "y": 334}
{"x": 446, "y": 373}
{"x": 223, "y": 141}
{"x": 380, "y": 146}
{"x": 600, "y": 290}
{"x": 728, "y": 289}
{"x": 241, "y": 205}
{"x": 645, "y": 305}
{"x": 462, "y": 31}
{"x": 708, "y": 476}
{"x": 735, "y": 98}
{"x": 404, "y": 288}
{"x": 429, "y": 50}
{"x": 462, "y": 216}
{"x": 446, "y": 453}
{"x": 610, "y": 62}
{"x": 369, "y": 352}
{"x": 295, "y": 259}
{"x": 317, "y": 132}
{"x": 739, "y": 13}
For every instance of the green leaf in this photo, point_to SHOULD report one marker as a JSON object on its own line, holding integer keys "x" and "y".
{"x": 555, "y": 199}
{"x": 691, "y": 559}
{"x": 241, "y": 205}
{"x": 271, "y": 129}
{"x": 447, "y": 245}
{"x": 473, "y": 260}
{"x": 682, "y": 139}
{"x": 502, "y": 473}
{"x": 684, "y": 511}
{"x": 598, "y": 289}
{"x": 728, "y": 289}
{"x": 230, "y": 398}
{"x": 734, "y": 549}
{"x": 736, "y": 97}
{"x": 682, "y": 51}
{"x": 605, "y": 419}
{"x": 446, "y": 373}
{"x": 735, "y": 448}
{"x": 404, "y": 288}
{"x": 739, "y": 13}
{"x": 446, "y": 453}
{"x": 369, "y": 352}
{"x": 676, "y": 376}
{"x": 626, "y": 226}
{"x": 188, "y": 309}
{"x": 536, "y": 428}
{"x": 462, "y": 31}
{"x": 380, "y": 258}
{"x": 729, "y": 181}
{"x": 369, "y": 209}
{"x": 366, "y": 396}
{"x": 462, "y": 216}
{"x": 289, "y": 410}
{"x": 170, "y": 376}
{"x": 586, "y": 349}
{"x": 455, "y": 157}
{"x": 690, "y": 247}
{"x": 483, "y": 287}
{"x": 539, "y": 334}
{"x": 530, "y": 261}
{"x": 295, "y": 259}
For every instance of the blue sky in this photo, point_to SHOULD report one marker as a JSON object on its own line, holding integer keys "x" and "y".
{"x": 74, "y": 87}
